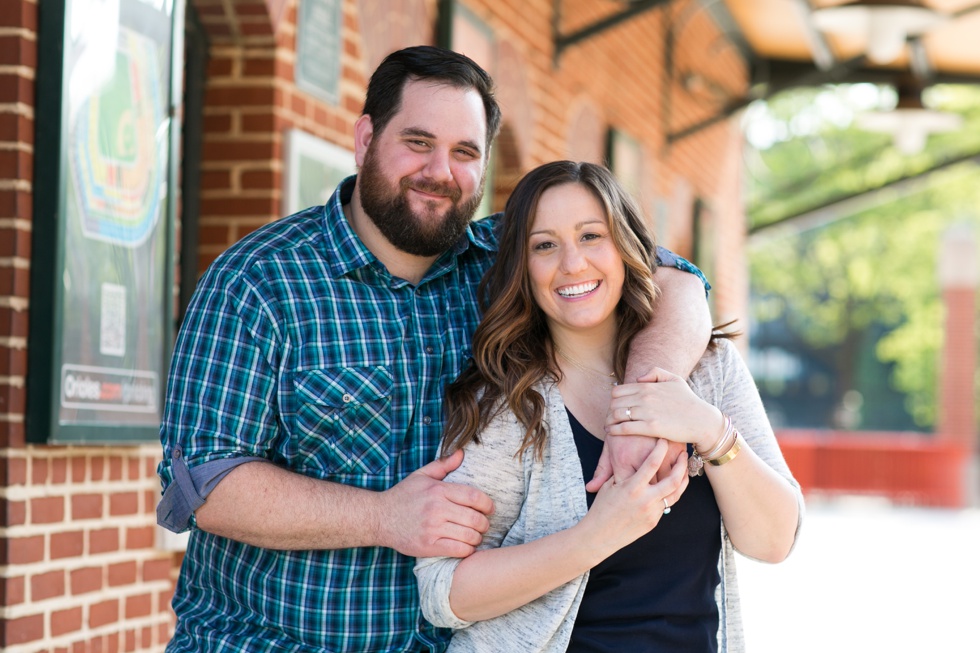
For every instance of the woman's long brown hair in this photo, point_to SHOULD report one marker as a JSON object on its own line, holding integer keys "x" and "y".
{"x": 510, "y": 347}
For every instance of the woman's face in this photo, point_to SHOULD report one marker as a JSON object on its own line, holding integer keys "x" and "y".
{"x": 576, "y": 271}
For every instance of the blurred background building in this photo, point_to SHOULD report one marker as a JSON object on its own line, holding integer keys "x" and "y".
{"x": 140, "y": 138}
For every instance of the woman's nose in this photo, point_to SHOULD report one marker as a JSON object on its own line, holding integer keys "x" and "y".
{"x": 572, "y": 260}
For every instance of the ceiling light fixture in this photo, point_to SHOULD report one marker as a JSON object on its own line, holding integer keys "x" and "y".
{"x": 910, "y": 123}
{"x": 885, "y": 23}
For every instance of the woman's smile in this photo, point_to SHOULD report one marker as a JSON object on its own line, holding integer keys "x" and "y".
{"x": 578, "y": 290}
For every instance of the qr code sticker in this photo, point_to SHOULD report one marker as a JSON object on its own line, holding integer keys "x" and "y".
{"x": 112, "y": 328}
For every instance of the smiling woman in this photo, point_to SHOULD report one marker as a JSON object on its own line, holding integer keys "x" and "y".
{"x": 561, "y": 568}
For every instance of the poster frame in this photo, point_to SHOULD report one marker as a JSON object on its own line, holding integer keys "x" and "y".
{"x": 50, "y": 195}
{"x": 302, "y": 151}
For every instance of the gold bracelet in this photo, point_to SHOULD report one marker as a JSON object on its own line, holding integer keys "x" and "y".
{"x": 728, "y": 455}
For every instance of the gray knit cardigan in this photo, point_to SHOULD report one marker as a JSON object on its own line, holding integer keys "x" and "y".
{"x": 534, "y": 498}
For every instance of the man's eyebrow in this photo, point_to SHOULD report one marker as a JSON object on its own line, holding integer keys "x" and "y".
{"x": 423, "y": 133}
{"x": 416, "y": 131}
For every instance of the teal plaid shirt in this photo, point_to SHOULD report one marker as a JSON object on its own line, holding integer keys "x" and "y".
{"x": 297, "y": 348}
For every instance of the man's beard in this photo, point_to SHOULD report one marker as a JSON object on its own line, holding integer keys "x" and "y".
{"x": 389, "y": 210}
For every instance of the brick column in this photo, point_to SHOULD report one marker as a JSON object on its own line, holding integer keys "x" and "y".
{"x": 958, "y": 280}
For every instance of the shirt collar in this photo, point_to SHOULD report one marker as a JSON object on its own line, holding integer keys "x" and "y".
{"x": 347, "y": 252}
{"x": 482, "y": 234}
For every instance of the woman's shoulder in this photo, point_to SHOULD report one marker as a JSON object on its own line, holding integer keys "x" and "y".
{"x": 722, "y": 354}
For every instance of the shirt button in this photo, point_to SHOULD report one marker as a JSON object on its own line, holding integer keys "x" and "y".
{"x": 429, "y": 350}
{"x": 178, "y": 452}
{"x": 348, "y": 398}
{"x": 426, "y": 420}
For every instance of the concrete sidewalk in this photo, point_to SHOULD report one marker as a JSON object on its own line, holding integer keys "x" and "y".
{"x": 868, "y": 577}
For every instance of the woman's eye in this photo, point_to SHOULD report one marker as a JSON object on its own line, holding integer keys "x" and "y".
{"x": 543, "y": 246}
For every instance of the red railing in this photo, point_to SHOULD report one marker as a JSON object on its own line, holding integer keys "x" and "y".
{"x": 908, "y": 468}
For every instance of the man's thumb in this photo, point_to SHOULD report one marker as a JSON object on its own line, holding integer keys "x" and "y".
{"x": 603, "y": 472}
{"x": 657, "y": 375}
{"x": 440, "y": 467}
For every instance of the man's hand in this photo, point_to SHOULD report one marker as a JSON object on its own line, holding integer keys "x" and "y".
{"x": 629, "y": 441}
{"x": 622, "y": 455}
{"x": 423, "y": 516}
{"x": 626, "y": 509}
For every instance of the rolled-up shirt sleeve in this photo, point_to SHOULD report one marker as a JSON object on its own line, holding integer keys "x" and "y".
{"x": 221, "y": 407}
{"x": 191, "y": 487}
{"x": 667, "y": 258}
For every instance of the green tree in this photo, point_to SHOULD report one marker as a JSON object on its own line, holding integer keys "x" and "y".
{"x": 876, "y": 266}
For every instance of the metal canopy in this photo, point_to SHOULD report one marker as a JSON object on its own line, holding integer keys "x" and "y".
{"x": 787, "y": 45}
{"x": 783, "y": 47}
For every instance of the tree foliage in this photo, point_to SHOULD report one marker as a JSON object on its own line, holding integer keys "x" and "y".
{"x": 809, "y": 150}
{"x": 876, "y": 266}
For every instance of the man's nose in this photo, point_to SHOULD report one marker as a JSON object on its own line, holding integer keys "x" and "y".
{"x": 437, "y": 166}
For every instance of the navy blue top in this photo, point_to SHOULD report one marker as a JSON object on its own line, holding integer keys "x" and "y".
{"x": 658, "y": 593}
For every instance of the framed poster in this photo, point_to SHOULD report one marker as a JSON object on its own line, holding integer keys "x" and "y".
{"x": 318, "y": 48}
{"x": 102, "y": 266}
{"x": 313, "y": 170}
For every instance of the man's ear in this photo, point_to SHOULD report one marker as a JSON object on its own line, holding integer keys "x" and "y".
{"x": 363, "y": 133}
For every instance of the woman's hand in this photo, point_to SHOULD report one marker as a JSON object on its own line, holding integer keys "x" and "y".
{"x": 625, "y": 510}
{"x": 662, "y": 405}
{"x": 759, "y": 507}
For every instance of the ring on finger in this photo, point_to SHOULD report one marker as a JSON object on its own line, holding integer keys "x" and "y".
{"x": 666, "y": 507}
{"x": 629, "y": 413}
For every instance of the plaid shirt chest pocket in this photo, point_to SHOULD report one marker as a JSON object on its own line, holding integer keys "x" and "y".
{"x": 343, "y": 419}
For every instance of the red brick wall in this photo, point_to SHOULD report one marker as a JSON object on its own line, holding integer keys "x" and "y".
{"x": 81, "y": 568}
{"x": 79, "y": 565}
{"x": 959, "y": 274}
{"x": 907, "y": 468}
{"x": 251, "y": 102}
{"x": 957, "y": 392}
{"x": 18, "y": 61}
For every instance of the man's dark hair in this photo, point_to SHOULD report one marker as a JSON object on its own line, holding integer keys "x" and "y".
{"x": 425, "y": 62}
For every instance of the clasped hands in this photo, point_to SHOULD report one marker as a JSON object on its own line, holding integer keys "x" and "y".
{"x": 659, "y": 405}
{"x": 425, "y": 516}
